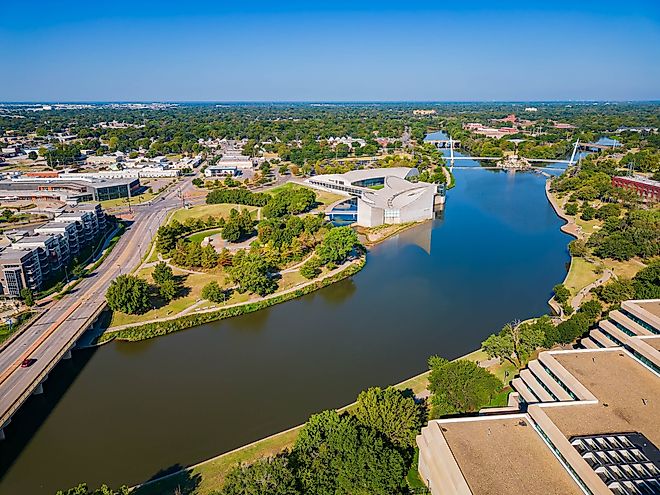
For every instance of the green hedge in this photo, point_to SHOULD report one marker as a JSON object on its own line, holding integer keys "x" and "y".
{"x": 151, "y": 330}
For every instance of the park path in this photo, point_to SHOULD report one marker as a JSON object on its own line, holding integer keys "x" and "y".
{"x": 573, "y": 229}
{"x": 217, "y": 308}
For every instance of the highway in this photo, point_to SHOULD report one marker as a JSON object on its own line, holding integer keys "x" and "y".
{"x": 55, "y": 332}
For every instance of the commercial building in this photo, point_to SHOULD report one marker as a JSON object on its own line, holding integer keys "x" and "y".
{"x": 221, "y": 170}
{"x": 383, "y": 195}
{"x": 646, "y": 188}
{"x": 581, "y": 421}
{"x": 71, "y": 188}
{"x": 31, "y": 260}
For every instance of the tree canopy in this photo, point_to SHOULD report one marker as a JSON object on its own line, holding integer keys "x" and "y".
{"x": 128, "y": 294}
{"x": 388, "y": 411}
{"x": 337, "y": 245}
{"x": 459, "y": 386}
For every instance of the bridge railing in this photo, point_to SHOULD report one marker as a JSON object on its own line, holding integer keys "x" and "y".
{"x": 6, "y": 415}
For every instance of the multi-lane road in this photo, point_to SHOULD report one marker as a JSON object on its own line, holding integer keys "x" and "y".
{"x": 55, "y": 332}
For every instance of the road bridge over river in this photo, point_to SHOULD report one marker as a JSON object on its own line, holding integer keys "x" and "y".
{"x": 54, "y": 334}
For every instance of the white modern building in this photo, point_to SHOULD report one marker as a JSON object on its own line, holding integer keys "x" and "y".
{"x": 383, "y": 195}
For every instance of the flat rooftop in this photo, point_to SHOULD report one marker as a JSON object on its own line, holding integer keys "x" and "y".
{"x": 653, "y": 342}
{"x": 628, "y": 395}
{"x": 32, "y": 239}
{"x": 10, "y": 255}
{"x": 652, "y": 307}
{"x": 494, "y": 457}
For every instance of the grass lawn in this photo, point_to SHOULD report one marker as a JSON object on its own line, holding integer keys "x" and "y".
{"x": 209, "y": 476}
{"x": 588, "y": 226}
{"x": 192, "y": 284}
{"x": 581, "y": 274}
{"x": 323, "y": 197}
{"x": 290, "y": 279}
{"x": 199, "y": 236}
{"x": 624, "y": 269}
{"x": 204, "y": 211}
{"x": 140, "y": 198}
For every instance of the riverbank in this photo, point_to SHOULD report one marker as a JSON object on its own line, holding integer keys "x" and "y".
{"x": 208, "y": 476}
{"x": 586, "y": 273}
{"x": 164, "y": 326}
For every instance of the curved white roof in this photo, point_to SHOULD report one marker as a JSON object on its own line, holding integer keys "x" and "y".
{"x": 396, "y": 193}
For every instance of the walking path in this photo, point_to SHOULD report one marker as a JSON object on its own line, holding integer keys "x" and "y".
{"x": 258, "y": 299}
{"x": 577, "y": 299}
{"x": 573, "y": 229}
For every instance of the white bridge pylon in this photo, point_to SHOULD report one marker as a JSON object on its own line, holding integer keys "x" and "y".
{"x": 575, "y": 148}
{"x": 451, "y": 154}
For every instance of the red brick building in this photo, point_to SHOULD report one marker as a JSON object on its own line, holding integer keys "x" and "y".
{"x": 648, "y": 189}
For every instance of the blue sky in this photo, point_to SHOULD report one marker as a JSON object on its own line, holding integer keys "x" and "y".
{"x": 341, "y": 51}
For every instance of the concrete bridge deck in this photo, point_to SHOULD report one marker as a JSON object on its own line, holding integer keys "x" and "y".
{"x": 53, "y": 335}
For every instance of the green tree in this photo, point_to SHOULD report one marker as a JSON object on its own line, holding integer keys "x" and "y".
{"x": 577, "y": 247}
{"x": 588, "y": 212}
{"x": 209, "y": 257}
{"x": 334, "y": 454}
{"x": 27, "y": 296}
{"x": 615, "y": 291}
{"x": 161, "y": 273}
{"x": 271, "y": 476}
{"x": 459, "y": 386}
{"x": 128, "y": 294}
{"x": 571, "y": 208}
{"x": 561, "y": 293}
{"x": 214, "y": 293}
{"x": 32, "y": 155}
{"x": 252, "y": 273}
{"x": 646, "y": 283}
{"x": 593, "y": 309}
{"x": 312, "y": 268}
{"x": 168, "y": 289}
{"x": 608, "y": 210}
{"x": 337, "y": 245}
{"x": 78, "y": 270}
{"x": 515, "y": 342}
{"x": 396, "y": 416}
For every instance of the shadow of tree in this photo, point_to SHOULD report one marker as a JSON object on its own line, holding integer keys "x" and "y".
{"x": 157, "y": 302}
{"x": 173, "y": 480}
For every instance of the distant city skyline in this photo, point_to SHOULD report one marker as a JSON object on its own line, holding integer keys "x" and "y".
{"x": 202, "y": 51}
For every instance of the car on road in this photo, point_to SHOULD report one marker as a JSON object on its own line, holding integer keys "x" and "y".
{"x": 27, "y": 362}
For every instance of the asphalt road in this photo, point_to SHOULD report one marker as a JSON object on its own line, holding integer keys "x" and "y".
{"x": 65, "y": 320}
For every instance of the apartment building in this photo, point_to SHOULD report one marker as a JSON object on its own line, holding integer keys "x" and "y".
{"x": 19, "y": 269}
{"x": 31, "y": 260}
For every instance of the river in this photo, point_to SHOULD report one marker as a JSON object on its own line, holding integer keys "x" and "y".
{"x": 124, "y": 412}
